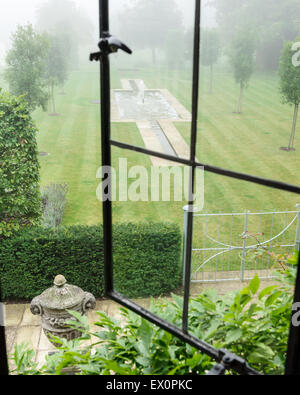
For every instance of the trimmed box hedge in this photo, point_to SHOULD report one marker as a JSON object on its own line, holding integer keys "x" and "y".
{"x": 147, "y": 260}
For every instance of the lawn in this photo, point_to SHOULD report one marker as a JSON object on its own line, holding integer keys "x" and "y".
{"x": 248, "y": 143}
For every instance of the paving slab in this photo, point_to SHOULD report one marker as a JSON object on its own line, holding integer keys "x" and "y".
{"x": 14, "y": 314}
{"x": 29, "y": 335}
{"x": 10, "y": 335}
{"x": 44, "y": 343}
{"x": 152, "y": 143}
{"x": 29, "y": 318}
{"x": 183, "y": 113}
{"x": 176, "y": 140}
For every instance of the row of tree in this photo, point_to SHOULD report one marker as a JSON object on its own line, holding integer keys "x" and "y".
{"x": 40, "y": 58}
{"x": 273, "y": 21}
{"x": 241, "y": 53}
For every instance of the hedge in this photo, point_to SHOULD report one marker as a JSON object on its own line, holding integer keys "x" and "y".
{"x": 146, "y": 260}
{"x": 20, "y": 200}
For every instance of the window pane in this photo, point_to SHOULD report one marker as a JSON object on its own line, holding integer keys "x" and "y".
{"x": 151, "y": 89}
{"x": 245, "y": 123}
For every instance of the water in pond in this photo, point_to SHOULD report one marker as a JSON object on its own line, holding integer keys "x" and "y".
{"x": 143, "y": 105}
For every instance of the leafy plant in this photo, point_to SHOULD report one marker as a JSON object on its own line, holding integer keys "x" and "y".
{"x": 289, "y": 85}
{"x": 57, "y": 64}
{"x": 54, "y": 201}
{"x": 26, "y": 66}
{"x": 211, "y": 51}
{"x": 20, "y": 201}
{"x": 241, "y": 56}
{"x": 252, "y": 323}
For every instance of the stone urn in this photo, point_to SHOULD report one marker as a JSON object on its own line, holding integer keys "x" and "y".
{"x": 52, "y": 306}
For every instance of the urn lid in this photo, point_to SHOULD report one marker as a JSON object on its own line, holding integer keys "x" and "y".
{"x": 62, "y": 295}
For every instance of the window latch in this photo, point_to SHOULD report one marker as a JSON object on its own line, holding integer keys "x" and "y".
{"x": 229, "y": 361}
{"x": 107, "y": 45}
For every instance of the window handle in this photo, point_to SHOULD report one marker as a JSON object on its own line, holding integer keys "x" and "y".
{"x": 108, "y": 45}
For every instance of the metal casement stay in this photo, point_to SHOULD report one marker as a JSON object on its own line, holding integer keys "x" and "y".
{"x": 225, "y": 359}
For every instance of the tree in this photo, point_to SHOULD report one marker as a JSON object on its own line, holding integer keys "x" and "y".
{"x": 63, "y": 19}
{"x": 26, "y": 65}
{"x": 20, "y": 201}
{"x": 241, "y": 55}
{"x": 210, "y": 51}
{"x": 56, "y": 68}
{"x": 289, "y": 73}
{"x": 174, "y": 48}
{"x": 145, "y": 24}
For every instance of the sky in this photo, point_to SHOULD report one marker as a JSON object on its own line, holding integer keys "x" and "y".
{"x": 20, "y": 12}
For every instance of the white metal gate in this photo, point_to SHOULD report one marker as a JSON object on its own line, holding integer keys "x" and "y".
{"x": 236, "y": 246}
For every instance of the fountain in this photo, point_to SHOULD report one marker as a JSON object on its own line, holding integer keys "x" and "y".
{"x": 139, "y": 103}
{"x": 143, "y": 104}
{"x": 142, "y": 87}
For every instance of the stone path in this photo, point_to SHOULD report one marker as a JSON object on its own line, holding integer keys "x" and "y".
{"x": 149, "y": 137}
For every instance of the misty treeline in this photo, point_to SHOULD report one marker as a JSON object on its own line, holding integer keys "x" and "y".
{"x": 41, "y": 56}
{"x": 248, "y": 35}
{"x": 270, "y": 22}
{"x": 158, "y": 25}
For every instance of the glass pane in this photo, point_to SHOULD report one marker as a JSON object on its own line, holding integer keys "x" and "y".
{"x": 148, "y": 217}
{"x": 234, "y": 226}
{"x": 44, "y": 55}
{"x": 248, "y": 88}
{"x": 240, "y": 234}
{"x": 151, "y": 89}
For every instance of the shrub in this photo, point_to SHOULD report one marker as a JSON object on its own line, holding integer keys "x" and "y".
{"x": 146, "y": 259}
{"x": 54, "y": 200}
{"x": 20, "y": 202}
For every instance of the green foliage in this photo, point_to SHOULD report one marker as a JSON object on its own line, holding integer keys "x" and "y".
{"x": 210, "y": 47}
{"x": 20, "y": 203}
{"x": 241, "y": 56}
{"x": 251, "y": 323}
{"x": 69, "y": 23}
{"x": 56, "y": 66}
{"x": 174, "y": 48}
{"x": 146, "y": 259}
{"x": 150, "y": 33}
{"x": 289, "y": 76}
{"x": 54, "y": 201}
{"x": 274, "y": 21}
{"x": 26, "y": 65}
{"x": 56, "y": 71}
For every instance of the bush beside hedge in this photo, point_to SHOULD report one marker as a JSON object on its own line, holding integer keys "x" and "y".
{"x": 146, "y": 260}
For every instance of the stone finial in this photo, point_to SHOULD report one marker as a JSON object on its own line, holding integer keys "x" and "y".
{"x": 60, "y": 280}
